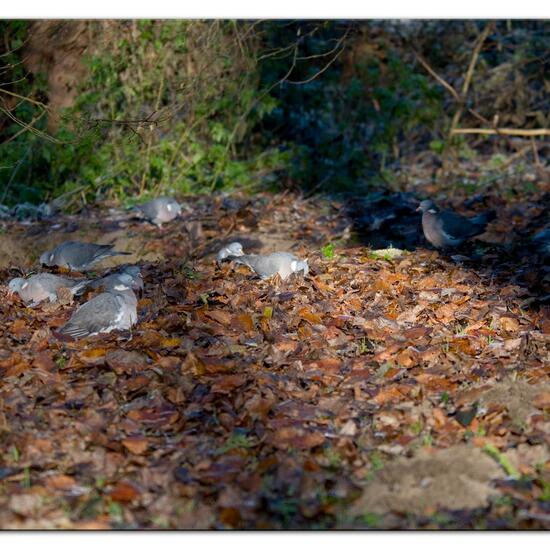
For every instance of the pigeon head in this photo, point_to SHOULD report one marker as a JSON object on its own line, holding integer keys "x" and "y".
{"x": 173, "y": 206}
{"x": 134, "y": 273}
{"x": 132, "y": 270}
{"x": 15, "y": 285}
{"x": 235, "y": 248}
{"x": 232, "y": 249}
{"x": 46, "y": 258}
{"x": 427, "y": 206}
{"x": 299, "y": 265}
{"x": 125, "y": 282}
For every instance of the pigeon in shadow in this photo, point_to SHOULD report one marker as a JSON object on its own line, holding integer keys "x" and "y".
{"x": 447, "y": 229}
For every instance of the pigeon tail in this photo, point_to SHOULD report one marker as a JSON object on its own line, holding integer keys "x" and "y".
{"x": 484, "y": 219}
{"x": 73, "y": 331}
{"x": 78, "y": 289}
{"x": 62, "y": 336}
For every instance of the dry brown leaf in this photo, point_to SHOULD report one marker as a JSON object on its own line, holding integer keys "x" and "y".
{"x": 226, "y": 384}
{"x": 296, "y": 438}
{"x": 220, "y": 316}
{"x": 61, "y": 482}
{"x": 94, "y": 356}
{"x": 136, "y": 444}
{"x": 308, "y": 315}
{"x": 125, "y": 492}
{"x": 542, "y": 400}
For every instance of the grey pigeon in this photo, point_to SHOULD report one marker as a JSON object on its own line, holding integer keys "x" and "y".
{"x": 108, "y": 282}
{"x": 445, "y": 229}
{"x": 159, "y": 211}
{"x": 77, "y": 255}
{"x": 283, "y": 263}
{"x": 108, "y": 311}
{"x": 232, "y": 249}
{"x": 43, "y": 286}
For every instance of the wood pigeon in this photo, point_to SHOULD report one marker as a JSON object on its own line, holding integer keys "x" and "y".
{"x": 44, "y": 286}
{"x": 159, "y": 211}
{"x": 108, "y": 311}
{"x": 78, "y": 256}
{"x": 446, "y": 229}
{"x": 283, "y": 263}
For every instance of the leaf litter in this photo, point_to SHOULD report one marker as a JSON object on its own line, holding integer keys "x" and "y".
{"x": 362, "y": 396}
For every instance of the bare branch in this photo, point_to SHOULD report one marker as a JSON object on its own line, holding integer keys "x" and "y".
{"x": 503, "y": 131}
{"x": 441, "y": 80}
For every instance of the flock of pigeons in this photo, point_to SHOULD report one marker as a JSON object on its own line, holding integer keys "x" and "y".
{"x": 115, "y": 308}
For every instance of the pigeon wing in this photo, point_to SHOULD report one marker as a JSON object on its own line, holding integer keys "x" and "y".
{"x": 149, "y": 209}
{"x": 457, "y": 227}
{"x": 267, "y": 266}
{"x": 100, "y": 314}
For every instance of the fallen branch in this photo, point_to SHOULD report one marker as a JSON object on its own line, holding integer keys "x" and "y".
{"x": 502, "y": 131}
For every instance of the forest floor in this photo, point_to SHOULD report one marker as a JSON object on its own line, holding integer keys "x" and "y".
{"x": 404, "y": 388}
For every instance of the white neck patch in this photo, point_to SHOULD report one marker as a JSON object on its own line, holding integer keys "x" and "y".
{"x": 121, "y": 287}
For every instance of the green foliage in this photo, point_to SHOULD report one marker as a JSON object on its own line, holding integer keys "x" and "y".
{"x": 165, "y": 107}
{"x": 506, "y": 465}
{"x": 370, "y": 519}
{"x": 181, "y": 106}
{"x": 19, "y": 150}
{"x": 195, "y": 148}
{"x": 328, "y": 251}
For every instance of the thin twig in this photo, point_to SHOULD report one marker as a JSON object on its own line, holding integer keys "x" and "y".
{"x": 535, "y": 153}
{"x": 24, "y": 98}
{"x": 29, "y": 127}
{"x": 13, "y": 174}
{"x": 469, "y": 75}
{"x": 324, "y": 54}
{"x": 318, "y": 73}
{"x": 24, "y": 128}
{"x": 441, "y": 80}
{"x": 515, "y": 157}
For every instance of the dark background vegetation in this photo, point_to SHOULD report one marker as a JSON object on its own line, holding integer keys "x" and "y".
{"x": 123, "y": 110}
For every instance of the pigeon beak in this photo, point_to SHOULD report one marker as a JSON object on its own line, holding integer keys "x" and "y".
{"x": 419, "y": 209}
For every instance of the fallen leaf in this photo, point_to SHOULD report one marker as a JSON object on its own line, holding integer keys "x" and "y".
{"x": 542, "y": 400}
{"x": 220, "y": 316}
{"x": 308, "y": 315}
{"x": 136, "y": 444}
{"x": 226, "y": 384}
{"x": 94, "y": 356}
{"x": 124, "y": 491}
{"x": 295, "y": 438}
{"x": 60, "y": 482}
